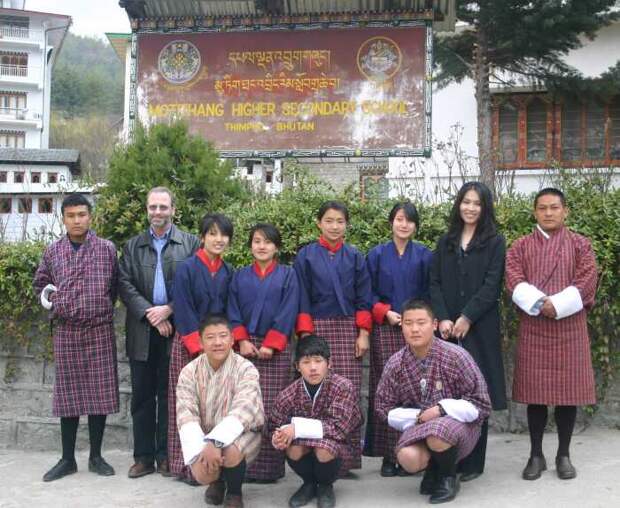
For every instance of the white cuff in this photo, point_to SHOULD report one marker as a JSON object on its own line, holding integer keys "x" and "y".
{"x": 567, "y": 302}
{"x": 401, "y": 418}
{"x": 525, "y": 297}
{"x": 229, "y": 429}
{"x": 192, "y": 441}
{"x": 307, "y": 428}
{"x": 47, "y": 291}
{"x": 459, "y": 409}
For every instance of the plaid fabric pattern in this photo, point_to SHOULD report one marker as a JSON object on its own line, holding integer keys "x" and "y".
{"x": 553, "y": 363}
{"x": 179, "y": 358}
{"x": 341, "y": 334}
{"x": 275, "y": 375}
{"x": 86, "y": 379}
{"x": 336, "y": 405}
{"x": 381, "y": 439}
{"x": 447, "y": 372}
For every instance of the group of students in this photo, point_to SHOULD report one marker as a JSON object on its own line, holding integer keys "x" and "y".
{"x": 341, "y": 305}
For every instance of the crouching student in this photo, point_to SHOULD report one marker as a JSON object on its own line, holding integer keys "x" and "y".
{"x": 219, "y": 414}
{"x": 434, "y": 393}
{"x": 312, "y": 421}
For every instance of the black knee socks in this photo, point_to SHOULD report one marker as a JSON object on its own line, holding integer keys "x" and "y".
{"x": 536, "y": 423}
{"x": 233, "y": 476}
{"x": 68, "y": 434}
{"x": 96, "y": 426}
{"x": 445, "y": 461}
{"x": 565, "y": 421}
{"x": 304, "y": 467}
{"x": 326, "y": 473}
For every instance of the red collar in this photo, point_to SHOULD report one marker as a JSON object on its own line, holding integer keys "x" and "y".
{"x": 328, "y": 246}
{"x": 214, "y": 265}
{"x": 270, "y": 268}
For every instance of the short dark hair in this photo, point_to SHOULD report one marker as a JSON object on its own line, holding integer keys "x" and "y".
{"x": 269, "y": 231}
{"x": 222, "y": 222}
{"x": 413, "y": 304}
{"x": 75, "y": 200}
{"x": 410, "y": 211}
{"x": 333, "y": 205}
{"x": 312, "y": 345}
{"x": 212, "y": 320}
{"x": 550, "y": 191}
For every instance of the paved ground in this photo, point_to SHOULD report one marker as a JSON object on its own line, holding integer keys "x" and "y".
{"x": 595, "y": 452}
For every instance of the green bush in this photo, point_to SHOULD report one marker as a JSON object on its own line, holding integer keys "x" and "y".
{"x": 595, "y": 212}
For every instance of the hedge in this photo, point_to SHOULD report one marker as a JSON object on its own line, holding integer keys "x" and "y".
{"x": 595, "y": 212}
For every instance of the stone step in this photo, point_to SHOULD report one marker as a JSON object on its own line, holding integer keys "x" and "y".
{"x": 40, "y": 434}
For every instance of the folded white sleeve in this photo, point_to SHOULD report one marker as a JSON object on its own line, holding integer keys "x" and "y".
{"x": 192, "y": 441}
{"x": 45, "y": 294}
{"x": 459, "y": 409}
{"x": 307, "y": 428}
{"x": 525, "y": 296}
{"x": 229, "y": 429}
{"x": 401, "y": 418}
{"x": 567, "y": 302}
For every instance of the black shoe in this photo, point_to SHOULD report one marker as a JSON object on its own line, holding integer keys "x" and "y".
{"x": 534, "y": 468}
{"x": 303, "y": 495}
{"x": 472, "y": 475}
{"x": 100, "y": 466}
{"x": 325, "y": 497}
{"x": 188, "y": 481}
{"x": 403, "y": 472}
{"x": 388, "y": 468}
{"x": 349, "y": 475}
{"x": 429, "y": 481}
{"x": 564, "y": 468}
{"x": 446, "y": 490}
{"x": 260, "y": 481}
{"x": 214, "y": 495}
{"x": 64, "y": 467}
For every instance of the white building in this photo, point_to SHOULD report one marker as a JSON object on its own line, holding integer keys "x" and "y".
{"x": 31, "y": 176}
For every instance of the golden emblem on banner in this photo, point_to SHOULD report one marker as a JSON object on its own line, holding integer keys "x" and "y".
{"x": 179, "y": 62}
{"x": 379, "y": 59}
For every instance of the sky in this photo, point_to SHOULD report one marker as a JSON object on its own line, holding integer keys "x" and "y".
{"x": 90, "y": 17}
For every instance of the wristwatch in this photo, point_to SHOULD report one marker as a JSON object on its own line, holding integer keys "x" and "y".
{"x": 442, "y": 411}
{"x": 216, "y": 443}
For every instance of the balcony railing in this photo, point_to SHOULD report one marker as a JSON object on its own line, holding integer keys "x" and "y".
{"x": 15, "y": 32}
{"x": 19, "y": 114}
{"x": 13, "y": 70}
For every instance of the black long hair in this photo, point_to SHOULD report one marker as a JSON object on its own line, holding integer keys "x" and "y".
{"x": 486, "y": 227}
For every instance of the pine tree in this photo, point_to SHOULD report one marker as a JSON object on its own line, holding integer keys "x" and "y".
{"x": 515, "y": 41}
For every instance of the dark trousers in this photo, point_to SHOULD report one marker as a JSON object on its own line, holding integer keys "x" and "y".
{"x": 474, "y": 462}
{"x": 149, "y": 401}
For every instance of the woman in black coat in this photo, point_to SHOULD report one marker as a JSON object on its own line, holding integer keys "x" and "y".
{"x": 466, "y": 282}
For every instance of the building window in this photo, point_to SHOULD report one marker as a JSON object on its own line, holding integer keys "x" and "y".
{"x": 12, "y": 139}
{"x": 269, "y": 177}
{"x": 13, "y": 64}
{"x": 529, "y": 131}
{"x": 46, "y": 205}
{"x": 35, "y": 177}
{"x": 52, "y": 178}
{"x": 12, "y": 104}
{"x": 5, "y": 205}
{"x": 3, "y": 176}
{"x": 18, "y": 177}
{"x": 508, "y": 130}
{"x": 536, "y": 121}
{"x": 24, "y": 205}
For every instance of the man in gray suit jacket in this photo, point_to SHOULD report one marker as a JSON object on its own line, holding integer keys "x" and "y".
{"x": 145, "y": 285}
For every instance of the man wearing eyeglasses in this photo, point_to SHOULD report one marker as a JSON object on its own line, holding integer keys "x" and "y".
{"x": 434, "y": 393}
{"x": 145, "y": 285}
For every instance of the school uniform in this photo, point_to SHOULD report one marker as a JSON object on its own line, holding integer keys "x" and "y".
{"x": 335, "y": 301}
{"x": 395, "y": 279}
{"x": 200, "y": 289}
{"x": 262, "y": 308}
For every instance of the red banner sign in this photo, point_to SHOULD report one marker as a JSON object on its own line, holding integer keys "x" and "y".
{"x": 305, "y": 92}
